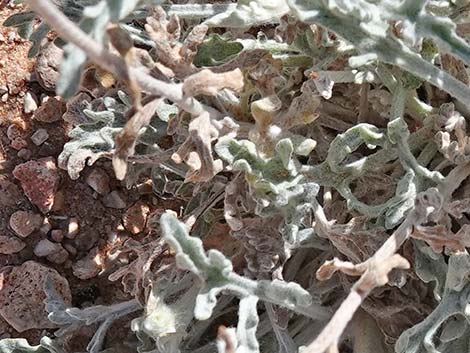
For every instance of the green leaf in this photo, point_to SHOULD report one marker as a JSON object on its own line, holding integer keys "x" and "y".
{"x": 216, "y": 50}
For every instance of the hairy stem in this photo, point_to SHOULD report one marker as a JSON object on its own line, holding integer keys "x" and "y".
{"x": 113, "y": 63}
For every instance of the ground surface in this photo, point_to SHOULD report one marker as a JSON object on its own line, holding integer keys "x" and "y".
{"x": 74, "y": 199}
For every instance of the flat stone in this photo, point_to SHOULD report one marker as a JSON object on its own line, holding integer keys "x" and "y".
{"x": 59, "y": 257}
{"x": 57, "y": 235}
{"x": 24, "y": 223}
{"x": 114, "y": 200}
{"x": 24, "y": 153}
{"x": 22, "y": 295}
{"x": 59, "y": 201}
{"x": 19, "y": 143}
{"x": 50, "y": 111}
{"x": 39, "y": 180}
{"x": 98, "y": 180}
{"x": 71, "y": 249}
{"x": 89, "y": 266}
{"x": 45, "y": 248}
{"x": 30, "y": 103}
{"x": 135, "y": 218}
{"x": 14, "y": 131}
{"x": 11, "y": 245}
{"x": 39, "y": 137}
{"x": 54, "y": 252}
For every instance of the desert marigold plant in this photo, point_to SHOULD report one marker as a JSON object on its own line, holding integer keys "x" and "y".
{"x": 326, "y": 138}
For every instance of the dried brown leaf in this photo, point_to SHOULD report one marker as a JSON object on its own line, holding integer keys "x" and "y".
{"x": 207, "y": 83}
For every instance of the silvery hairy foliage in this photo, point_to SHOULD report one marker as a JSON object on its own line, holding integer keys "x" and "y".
{"x": 318, "y": 151}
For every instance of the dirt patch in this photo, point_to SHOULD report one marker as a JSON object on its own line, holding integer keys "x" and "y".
{"x": 94, "y": 224}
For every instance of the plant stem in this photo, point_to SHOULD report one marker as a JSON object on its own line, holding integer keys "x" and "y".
{"x": 70, "y": 32}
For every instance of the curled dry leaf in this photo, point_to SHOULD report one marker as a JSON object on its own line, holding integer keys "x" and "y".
{"x": 126, "y": 139}
{"x": 196, "y": 151}
{"x": 207, "y": 83}
{"x": 174, "y": 56}
{"x": 329, "y": 268}
{"x": 439, "y": 237}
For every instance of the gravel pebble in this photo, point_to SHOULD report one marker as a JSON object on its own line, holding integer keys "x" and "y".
{"x": 13, "y": 132}
{"x": 19, "y": 143}
{"x": 46, "y": 247}
{"x": 57, "y": 235}
{"x": 114, "y": 200}
{"x": 24, "y": 223}
{"x": 24, "y": 153}
{"x": 89, "y": 266}
{"x": 98, "y": 180}
{"x": 30, "y": 103}
{"x": 39, "y": 180}
{"x": 72, "y": 228}
{"x": 22, "y": 295}
{"x": 50, "y": 111}
{"x": 135, "y": 218}
{"x": 39, "y": 137}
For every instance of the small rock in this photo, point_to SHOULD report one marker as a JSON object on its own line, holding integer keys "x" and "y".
{"x": 57, "y": 235}
{"x": 24, "y": 223}
{"x": 51, "y": 110}
{"x": 135, "y": 218}
{"x": 145, "y": 188}
{"x": 98, "y": 180}
{"x": 24, "y": 153}
{"x": 5, "y": 97}
{"x": 90, "y": 266}
{"x": 39, "y": 180}
{"x": 2, "y": 63}
{"x": 53, "y": 252}
{"x": 19, "y": 143}
{"x": 46, "y": 226}
{"x": 59, "y": 257}
{"x": 13, "y": 132}
{"x": 71, "y": 249}
{"x": 59, "y": 201}
{"x": 11, "y": 245}
{"x": 30, "y": 104}
{"x": 3, "y": 89}
{"x": 39, "y": 137}
{"x": 2, "y": 38}
{"x": 46, "y": 247}
{"x": 15, "y": 135}
{"x": 72, "y": 228}
{"x": 114, "y": 200}
{"x": 48, "y": 149}
{"x": 22, "y": 295}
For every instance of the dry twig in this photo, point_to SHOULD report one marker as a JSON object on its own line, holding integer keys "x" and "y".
{"x": 375, "y": 271}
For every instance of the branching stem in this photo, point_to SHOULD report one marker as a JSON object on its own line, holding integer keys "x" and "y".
{"x": 96, "y": 52}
